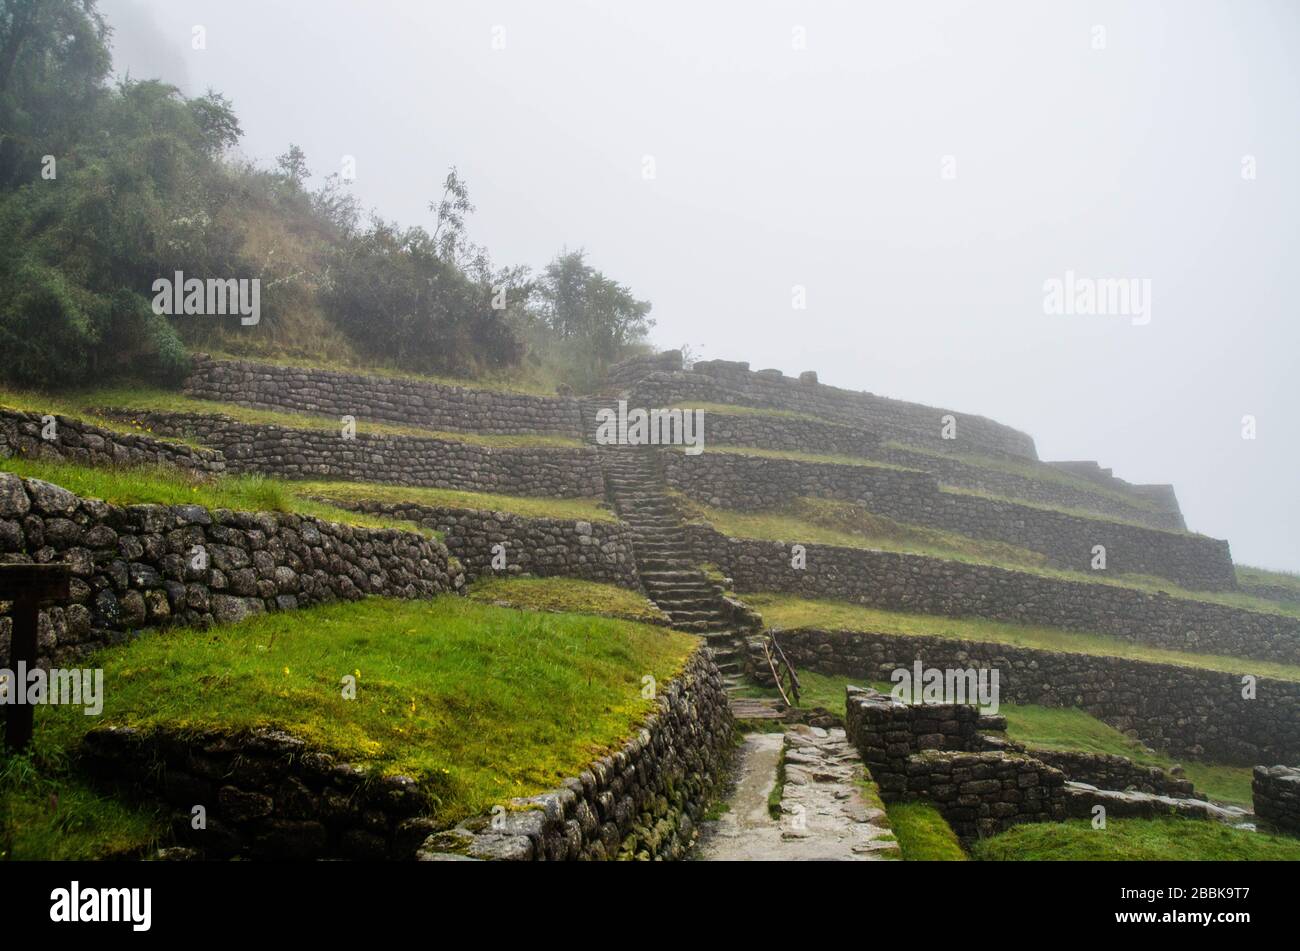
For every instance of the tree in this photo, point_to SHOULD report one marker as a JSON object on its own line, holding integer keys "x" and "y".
{"x": 596, "y": 319}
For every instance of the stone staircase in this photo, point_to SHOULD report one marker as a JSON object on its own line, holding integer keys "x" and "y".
{"x": 692, "y": 601}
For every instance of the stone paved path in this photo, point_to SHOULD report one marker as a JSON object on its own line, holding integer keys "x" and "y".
{"x": 824, "y": 815}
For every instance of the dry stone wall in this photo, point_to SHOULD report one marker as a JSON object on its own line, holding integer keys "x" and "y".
{"x": 403, "y": 401}
{"x": 721, "y": 381}
{"x": 595, "y": 551}
{"x": 1276, "y": 793}
{"x": 953, "y": 471}
{"x": 739, "y": 481}
{"x": 1186, "y": 711}
{"x": 642, "y": 802}
{"x": 266, "y": 795}
{"x": 399, "y": 460}
{"x": 85, "y": 444}
{"x": 920, "y": 584}
{"x": 137, "y": 566}
{"x": 937, "y": 752}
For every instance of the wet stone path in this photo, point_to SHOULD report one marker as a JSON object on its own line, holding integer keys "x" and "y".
{"x": 824, "y": 813}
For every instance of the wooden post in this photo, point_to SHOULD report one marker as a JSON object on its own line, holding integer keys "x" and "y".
{"x": 27, "y": 587}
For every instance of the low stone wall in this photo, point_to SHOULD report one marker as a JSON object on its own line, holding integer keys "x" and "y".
{"x": 404, "y": 401}
{"x": 642, "y": 802}
{"x": 1276, "y": 793}
{"x": 139, "y": 566}
{"x": 732, "y": 382}
{"x": 1106, "y": 771}
{"x": 400, "y": 460}
{"x": 917, "y": 583}
{"x": 85, "y": 444}
{"x": 744, "y": 482}
{"x": 595, "y": 551}
{"x": 1160, "y": 496}
{"x": 1183, "y": 710}
{"x": 936, "y": 752}
{"x": 787, "y": 434}
{"x": 265, "y": 794}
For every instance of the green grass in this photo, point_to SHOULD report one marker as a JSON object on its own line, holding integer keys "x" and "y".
{"x": 48, "y": 813}
{"x": 1288, "y": 581}
{"x": 1134, "y": 840}
{"x": 1068, "y": 728}
{"x": 479, "y": 703}
{"x": 830, "y": 522}
{"x": 846, "y": 525}
{"x": 816, "y": 690}
{"x": 566, "y": 594}
{"x": 777, "y": 794}
{"x": 923, "y": 834}
{"x": 161, "y": 485}
{"x": 515, "y": 380}
{"x": 733, "y": 409}
{"x": 143, "y": 399}
{"x": 827, "y": 458}
{"x": 1029, "y": 469}
{"x": 591, "y": 510}
{"x": 784, "y": 611}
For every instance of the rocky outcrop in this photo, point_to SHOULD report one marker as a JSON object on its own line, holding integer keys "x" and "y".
{"x": 642, "y": 802}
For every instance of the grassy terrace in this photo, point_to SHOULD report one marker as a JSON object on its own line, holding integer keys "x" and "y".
{"x": 732, "y": 409}
{"x": 1029, "y": 469}
{"x": 160, "y": 485}
{"x": 92, "y": 405}
{"x": 566, "y": 595}
{"x": 783, "y": 611}
{"x": 1134, "y": 840}
{"x": 828, "y": 459}
{"x": 830, "y": 522}
{"x": 479, "y": 703}
{"x": 590, "y": 510}
{"x": 517, "y": 380}
{"x": 167, "y": 486}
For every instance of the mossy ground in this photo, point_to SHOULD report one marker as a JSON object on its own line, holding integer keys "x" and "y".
{"x": 784, "y": 611}
{"x": 1134, "y": 840}
{"x": 590, "y": 510}
{"x": 566, "y": 594}
{"x": 479, "y": 703}
{"x": 923, "y": 834}
{"x": 164, "y": 485}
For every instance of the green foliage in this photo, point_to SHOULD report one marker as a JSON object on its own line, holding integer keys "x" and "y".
{"x": 142, "y": 186}
{"x": 923, "y": 833}
{"x": 568, "y": 595}
{"x": 592, "y": 320}
{"x": 1134, "y": 840}
{"x": 159, "y": 485}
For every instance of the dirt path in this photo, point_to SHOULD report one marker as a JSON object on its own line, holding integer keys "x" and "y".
{"x": 823, "y": 813}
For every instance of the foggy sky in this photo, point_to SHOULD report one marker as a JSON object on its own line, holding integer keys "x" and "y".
{"x": 821, "y": 167}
